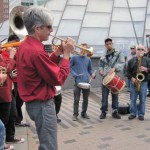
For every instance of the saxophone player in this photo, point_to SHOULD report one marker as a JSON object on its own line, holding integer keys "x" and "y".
{"x": 137, "y": 70}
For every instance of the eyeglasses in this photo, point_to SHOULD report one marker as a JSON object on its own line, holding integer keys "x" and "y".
{"x": 140, "y": 49}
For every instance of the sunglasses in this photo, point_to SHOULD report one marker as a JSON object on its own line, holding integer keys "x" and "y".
{"x": 140, "y": 49}
{"x": 49, "y": 27}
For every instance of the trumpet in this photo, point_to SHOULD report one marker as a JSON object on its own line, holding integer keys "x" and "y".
{"x": 87, "y": 50}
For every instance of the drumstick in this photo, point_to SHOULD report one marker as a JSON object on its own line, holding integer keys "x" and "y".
{"x": 92, "y": 77}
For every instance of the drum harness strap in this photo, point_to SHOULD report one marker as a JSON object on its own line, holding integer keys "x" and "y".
{"x": 113, "y": 64}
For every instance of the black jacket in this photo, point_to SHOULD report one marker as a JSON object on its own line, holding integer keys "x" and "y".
{"x": 133, "y": 65}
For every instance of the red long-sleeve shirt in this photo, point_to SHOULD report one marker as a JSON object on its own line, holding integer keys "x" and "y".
{"x": 6, "y": 89}
{"x": 37, "y": 73}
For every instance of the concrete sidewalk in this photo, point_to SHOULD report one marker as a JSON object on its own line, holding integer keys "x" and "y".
{"x": 93, "y": 134}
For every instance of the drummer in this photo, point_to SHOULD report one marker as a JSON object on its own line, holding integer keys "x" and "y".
{"x": 113, "y": 61}
{"x": 81, "y": 68}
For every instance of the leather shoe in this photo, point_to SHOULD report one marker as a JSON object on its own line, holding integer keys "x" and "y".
{"x": 103, "y": 115}
{"x": 131, "y": 117}
{"x": 141, "y": 117}
{"x": 116, "y": 115}
{"x": 85, "y": 116}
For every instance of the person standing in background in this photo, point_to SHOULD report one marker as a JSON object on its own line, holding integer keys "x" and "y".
{"x": 113, "y": 61}
{"x": 81, "y": 68}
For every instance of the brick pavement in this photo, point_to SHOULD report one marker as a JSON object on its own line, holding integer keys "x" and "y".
{"x": 94, "y": 134}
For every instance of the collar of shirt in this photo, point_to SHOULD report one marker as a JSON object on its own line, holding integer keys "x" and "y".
{"x": 34, "y": 40}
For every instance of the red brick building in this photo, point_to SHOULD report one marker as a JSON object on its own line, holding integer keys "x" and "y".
{"x": 4, "y": 10}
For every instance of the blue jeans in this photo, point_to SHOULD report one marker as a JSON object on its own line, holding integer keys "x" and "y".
{"x": 129, "y": 84}
{"x": 104, "y": 102}
{"x": 2, "y": 135}
{"x": 77, "y": 93}
{"x": 44, "y": 115}
{"x": 142, "y": 97}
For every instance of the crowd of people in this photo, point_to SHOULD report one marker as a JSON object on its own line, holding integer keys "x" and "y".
{"x": 30, "y": 74}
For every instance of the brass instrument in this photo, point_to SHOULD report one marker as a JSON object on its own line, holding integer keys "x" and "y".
{"x": 88, "y": 51}
{"x": 139, "y": 76}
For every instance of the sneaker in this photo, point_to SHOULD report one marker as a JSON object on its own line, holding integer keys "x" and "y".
{"x": 16, "y": 140}
{"x": 103, "y": 115}
{"x": 85, "y": 116}
{"x": 131, "y": 117}
{"x": 58, "y": 119}
{"x": 8, "y": 147}
{"x": 116, "y": 115}
{"x": 141, "y": 117}
{"x": 22, "y": 124}
{"x": 74, "y": 118}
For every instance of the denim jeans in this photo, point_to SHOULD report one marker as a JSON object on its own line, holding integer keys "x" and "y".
{"x": 44, "y": 115}
{"x": 140, "y": 111}
{"x": 77, "y": 93}
{"x": 104, "y": 102}
{"x": 2, "y": 135}
{"x": 129, "y": 84}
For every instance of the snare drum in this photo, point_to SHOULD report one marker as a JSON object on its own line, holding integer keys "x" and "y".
{"x": 83, "y": 85}
{"x": 114, "y": 83}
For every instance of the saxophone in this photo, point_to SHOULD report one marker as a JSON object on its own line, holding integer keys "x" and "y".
{"x": 139, "y": 76}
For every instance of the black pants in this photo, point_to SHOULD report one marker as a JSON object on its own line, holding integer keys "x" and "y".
{"x": 58, "y": 100}
{"x": 8, "y": 117}
{"x": 19, "y": 104}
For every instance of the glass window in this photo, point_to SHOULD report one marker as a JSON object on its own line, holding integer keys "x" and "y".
{"x": 123, "y": 44}
{"x": 100, "y": 5}
{"x": 93, "y": 36}
{"x": 121, "y": 29}
{"x": 148, "y": 7}
{"x": 69, "y": 28}
{"x": 77, "y": 2}
{"x": 121, "y": 14}
{"x": 120, "y": 3}
{"x": 139, "y": 28}
{"x": 148, "y": 22}
{"x": 96, "y": 20}
{"x": 74, "y": 12}
{"x": 57, "y": 17}
{"x": 137, "y": 3}
{"x": 138, "y": 14}
{"x": 56, "y": 4}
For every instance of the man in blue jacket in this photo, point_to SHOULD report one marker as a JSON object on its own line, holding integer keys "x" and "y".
{"x": 81, "y": 68}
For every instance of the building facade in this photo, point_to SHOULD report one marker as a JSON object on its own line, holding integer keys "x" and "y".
{"x": 4, "y": 10}
{"x": 127, "y": 22}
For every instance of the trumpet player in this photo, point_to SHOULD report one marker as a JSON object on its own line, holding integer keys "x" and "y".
{"x": 38, "y": 74}
{"x": 137, "y": 70}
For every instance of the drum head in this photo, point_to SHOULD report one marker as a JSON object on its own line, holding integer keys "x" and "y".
{"x": 108, "y": 78}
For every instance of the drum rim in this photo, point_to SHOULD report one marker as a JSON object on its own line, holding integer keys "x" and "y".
{"x": 111, "y": 75}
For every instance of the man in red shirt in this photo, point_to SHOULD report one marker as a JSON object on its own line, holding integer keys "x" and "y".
{"x": 38, "y": 74}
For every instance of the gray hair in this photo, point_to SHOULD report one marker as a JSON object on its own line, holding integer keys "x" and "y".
{"x": 37, "y": 16}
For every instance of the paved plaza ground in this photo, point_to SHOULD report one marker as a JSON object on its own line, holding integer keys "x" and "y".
{"x": 93, "y": 133}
